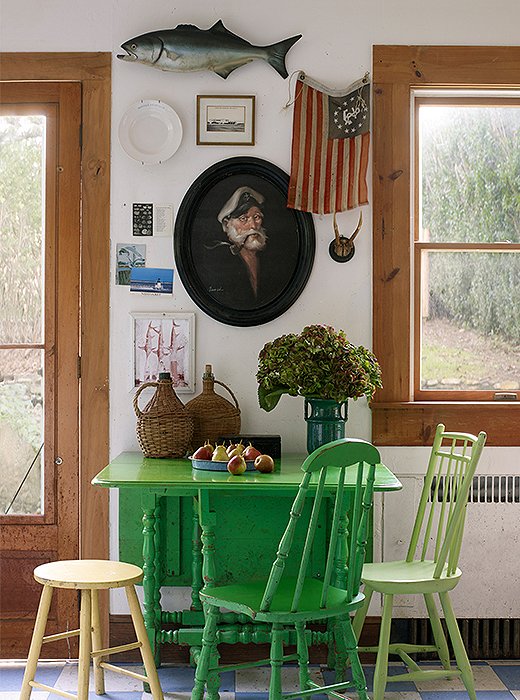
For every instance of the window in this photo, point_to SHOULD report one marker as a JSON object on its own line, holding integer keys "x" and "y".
{"x": 467, "y": 246}
{"x": 447, "y": 241}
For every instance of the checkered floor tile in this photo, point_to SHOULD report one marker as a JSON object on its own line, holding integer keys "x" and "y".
{"x": 498, "y": 680}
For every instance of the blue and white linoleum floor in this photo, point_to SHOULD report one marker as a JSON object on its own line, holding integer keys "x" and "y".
{"x": 496, "y": 680}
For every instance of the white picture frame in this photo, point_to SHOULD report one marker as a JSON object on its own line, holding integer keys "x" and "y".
{"x": 164, "y": 342}
{"x": 225, "y": 120}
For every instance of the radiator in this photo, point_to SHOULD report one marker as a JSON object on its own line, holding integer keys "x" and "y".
{"x": 483, "y": 639}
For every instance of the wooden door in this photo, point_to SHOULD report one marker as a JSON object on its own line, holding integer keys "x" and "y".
{"x": 39, "y": 351}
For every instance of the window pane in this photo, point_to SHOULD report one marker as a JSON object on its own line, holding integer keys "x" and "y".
{"x": 21, "y": 430}
{"x": 469, "y": 160}
{"x": 470, "y": 332}
{"x": 22, "y": 153}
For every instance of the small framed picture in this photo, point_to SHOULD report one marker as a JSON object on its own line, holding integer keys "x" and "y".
{"x": 225, "y": 120}
{"x": 164, "y": 342}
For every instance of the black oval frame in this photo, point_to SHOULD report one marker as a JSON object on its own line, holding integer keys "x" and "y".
{"x": 254, "y": 171}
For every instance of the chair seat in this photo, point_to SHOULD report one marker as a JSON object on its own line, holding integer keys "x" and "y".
{"x": 408, "y": 577}
{"x": 246, "y": 598}
{"x": 88, "y": 573}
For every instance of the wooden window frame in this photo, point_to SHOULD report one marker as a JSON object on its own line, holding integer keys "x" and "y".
{"x": 397, "y": 419}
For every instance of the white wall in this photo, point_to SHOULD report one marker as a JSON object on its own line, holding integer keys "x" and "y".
{"x": 335, "y": 49}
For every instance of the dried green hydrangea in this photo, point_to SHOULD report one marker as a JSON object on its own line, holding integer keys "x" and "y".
{"x": 318, "y": 363}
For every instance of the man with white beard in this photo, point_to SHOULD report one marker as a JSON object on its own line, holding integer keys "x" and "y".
{"x": 242, "y": 265}
{"x": 242, "y": 219}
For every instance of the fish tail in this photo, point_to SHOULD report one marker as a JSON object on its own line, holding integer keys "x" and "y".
{"x": 276, "y": 54}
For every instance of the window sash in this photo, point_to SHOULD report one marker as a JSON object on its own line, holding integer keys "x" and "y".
{"x": 420, "y": 245}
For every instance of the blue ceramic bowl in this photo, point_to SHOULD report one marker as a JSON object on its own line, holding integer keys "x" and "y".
{"x": 210, "y": 466}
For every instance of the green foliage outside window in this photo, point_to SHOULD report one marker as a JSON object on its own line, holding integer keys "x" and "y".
{"x": 471, "y": 193}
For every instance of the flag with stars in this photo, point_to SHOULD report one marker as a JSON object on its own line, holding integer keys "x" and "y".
{"x": 330, "y": 142}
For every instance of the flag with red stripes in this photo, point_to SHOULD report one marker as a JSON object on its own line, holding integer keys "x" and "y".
{"x": 330, "y": 142}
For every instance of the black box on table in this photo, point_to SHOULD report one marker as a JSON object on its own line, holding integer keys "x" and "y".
{"x": 266, "y": 444}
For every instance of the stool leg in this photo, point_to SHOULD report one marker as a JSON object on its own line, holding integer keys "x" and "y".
{"x": 85, "y": 643}
{"x": 36, "y": 642}
{"x": 99, "y": 674}
{"x": 142, "y": 636}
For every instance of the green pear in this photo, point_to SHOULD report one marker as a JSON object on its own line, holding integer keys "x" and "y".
{"x": 219, "y": 454}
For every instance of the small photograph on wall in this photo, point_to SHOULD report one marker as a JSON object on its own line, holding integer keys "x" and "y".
{"x": 164, "y": 342}
{"x": 225, "y": 120}
{"x": 151, "y": 280}
{"x": 128, "y": 256}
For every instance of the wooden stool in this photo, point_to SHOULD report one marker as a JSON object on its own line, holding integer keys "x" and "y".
{"x": 89, "y": 576}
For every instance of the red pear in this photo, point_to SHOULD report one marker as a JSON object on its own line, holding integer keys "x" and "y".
{"x": 237, "y": 465}
{"x": 204, "y": 452}
{"x": 251, "y": 453}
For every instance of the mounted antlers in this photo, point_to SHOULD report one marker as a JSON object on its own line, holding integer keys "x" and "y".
{"x": 342, "y": 248}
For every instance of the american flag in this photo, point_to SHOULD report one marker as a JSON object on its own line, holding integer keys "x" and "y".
{"x": 330, "y": 145}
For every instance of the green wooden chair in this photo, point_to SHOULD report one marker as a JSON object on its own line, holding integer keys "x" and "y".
{"x": 290, "y": 602}
{"x": 430, "y": 565}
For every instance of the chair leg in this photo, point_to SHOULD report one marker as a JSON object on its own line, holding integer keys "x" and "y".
{"x": 209, "y": 637}
{"x": 358, "y": 674}
{"x": 36, "y": 642}
{"x": 99, "y": 675}
{"x": 213, "y": 681}
{"x": 438, "y": 632}
{"x": 340, "y": 648}
{"x": 275, "y": 684}
{"x": 459, "y": 649}
{"x": 361, "y": 613}
{"x": 303, "y": 655}
{"x": 381, "y": 669}
{"x": 85, "y": 644}
{"x": 145, "y": 648}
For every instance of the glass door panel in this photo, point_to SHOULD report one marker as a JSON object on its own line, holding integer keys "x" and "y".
{"x": 22, "y": 319}
{"x": 21, "y": 432}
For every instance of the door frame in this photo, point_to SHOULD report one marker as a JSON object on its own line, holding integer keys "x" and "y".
{"x": 93, "y": 71}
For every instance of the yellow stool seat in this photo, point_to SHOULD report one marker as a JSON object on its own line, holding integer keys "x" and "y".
{"x": 89, "y": 576}
{"x": 88, "y": 573}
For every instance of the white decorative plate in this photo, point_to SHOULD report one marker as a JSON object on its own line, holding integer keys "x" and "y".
{"x": 150, "y": 131}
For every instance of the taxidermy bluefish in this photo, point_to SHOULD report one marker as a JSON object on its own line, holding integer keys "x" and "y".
{"x": 188, "y": 48}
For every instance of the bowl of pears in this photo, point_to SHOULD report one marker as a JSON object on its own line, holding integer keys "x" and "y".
{"x": 235, "y": 458}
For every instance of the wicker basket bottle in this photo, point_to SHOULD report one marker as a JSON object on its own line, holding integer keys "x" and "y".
{"x": 164, "y": 427}
{"x": 213, "y": 415}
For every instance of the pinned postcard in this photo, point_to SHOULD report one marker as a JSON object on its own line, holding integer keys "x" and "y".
{"x": 151, "y": 280}
{"x": 128, "y": 256}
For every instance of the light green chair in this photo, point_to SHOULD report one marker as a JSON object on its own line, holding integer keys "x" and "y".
{"x": 285, "y": 602}
{"x": 430, "y": 565}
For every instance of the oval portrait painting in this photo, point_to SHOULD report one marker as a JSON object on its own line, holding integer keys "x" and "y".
{"x": 242, "y": 255}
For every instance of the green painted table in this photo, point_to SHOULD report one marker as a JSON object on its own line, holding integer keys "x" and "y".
{"x": 185, "y": 515}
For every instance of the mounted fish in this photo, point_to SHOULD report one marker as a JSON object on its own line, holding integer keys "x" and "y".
{"x": 188, "y": 48}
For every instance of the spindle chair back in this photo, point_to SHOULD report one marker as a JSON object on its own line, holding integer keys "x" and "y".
{"x": 287, "y": 601}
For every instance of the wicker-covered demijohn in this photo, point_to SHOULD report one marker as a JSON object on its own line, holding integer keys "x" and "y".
{"x": 213, "y": 415}
{"x": 164, "y": 427}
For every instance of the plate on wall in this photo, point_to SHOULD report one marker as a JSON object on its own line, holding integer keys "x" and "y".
{"x": 150, "y": 131}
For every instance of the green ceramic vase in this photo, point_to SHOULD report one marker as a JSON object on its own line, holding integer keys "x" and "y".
{"x": 325, "y": 421}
